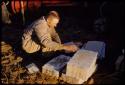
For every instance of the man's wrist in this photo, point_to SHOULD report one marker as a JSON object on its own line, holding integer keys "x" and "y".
{"x": 64, "y": 47}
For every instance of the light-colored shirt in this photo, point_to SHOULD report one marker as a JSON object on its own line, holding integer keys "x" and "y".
{"x": 47, "y": 36}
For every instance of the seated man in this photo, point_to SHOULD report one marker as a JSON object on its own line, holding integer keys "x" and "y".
{"x": 41, "y": 35}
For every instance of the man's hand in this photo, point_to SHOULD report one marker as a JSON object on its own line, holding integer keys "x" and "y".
{"x": 70, "y": 48}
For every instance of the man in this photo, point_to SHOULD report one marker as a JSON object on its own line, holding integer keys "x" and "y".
{"x": 41, "y": 35}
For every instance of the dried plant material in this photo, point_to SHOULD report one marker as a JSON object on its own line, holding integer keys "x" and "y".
{"x": 21, "y": 81}
{"x": 5, "y": 48}
{"x": 4, "y": 61}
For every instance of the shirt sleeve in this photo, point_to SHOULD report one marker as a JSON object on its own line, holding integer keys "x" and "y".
{"x": 45, "y": 37}
{"x": 55, "y": 36}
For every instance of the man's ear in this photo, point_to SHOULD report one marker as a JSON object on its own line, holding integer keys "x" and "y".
{"x": 48, "y": 21}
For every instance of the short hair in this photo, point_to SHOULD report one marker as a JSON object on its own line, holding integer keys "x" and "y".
{"x": 53, "y": 14}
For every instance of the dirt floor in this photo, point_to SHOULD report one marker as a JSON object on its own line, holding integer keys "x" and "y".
{"x": 14, "y": 59}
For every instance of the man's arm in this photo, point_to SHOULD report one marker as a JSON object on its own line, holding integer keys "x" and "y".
{"x": 55, "y": 36}
{"x": 45, "y": 37}
{"x": 46, "y": 40}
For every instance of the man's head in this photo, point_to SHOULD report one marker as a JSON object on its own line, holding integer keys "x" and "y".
{"x": 52, "y": 19}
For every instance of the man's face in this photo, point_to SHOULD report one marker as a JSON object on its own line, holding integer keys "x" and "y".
{"x": 53, "y": 22}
